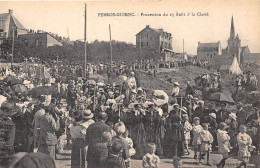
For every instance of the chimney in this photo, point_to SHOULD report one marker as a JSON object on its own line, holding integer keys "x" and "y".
{"x": 10, "y": 11}
{"x": 147, "y": 26}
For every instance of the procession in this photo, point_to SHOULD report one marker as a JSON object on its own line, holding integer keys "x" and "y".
{"x": 106, "y": 120}
{"x": 99, "y": 103}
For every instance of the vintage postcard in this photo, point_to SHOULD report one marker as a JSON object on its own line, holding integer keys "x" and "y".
{"x": 134, "y": 83}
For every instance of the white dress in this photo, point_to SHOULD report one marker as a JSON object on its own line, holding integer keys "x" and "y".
{"x": 223, "y": 143}
{"x": 196, "y": 130}
{"x": 205, "y": 139}
{"x": 187, "y": 128}
{"x": 244, "y": 141}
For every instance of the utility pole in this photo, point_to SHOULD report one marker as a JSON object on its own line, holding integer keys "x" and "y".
{"x": 12, "y": 50}
{"x": 140, "y": 51}
{"x": 110, "y": 46}
{"x": 183, "y": 48}
{"x": 85, "y": 42}
{"x": 57, "y": 64}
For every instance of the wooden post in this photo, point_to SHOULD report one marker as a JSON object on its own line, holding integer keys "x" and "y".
{"x": 12, "y": 50}
{"x": 110, "y": 46}
{"x": 85, "y": 42}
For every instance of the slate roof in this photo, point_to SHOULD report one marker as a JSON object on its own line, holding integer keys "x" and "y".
{"x": 5, "y": 18}
{"x": 208, "y": 47}
{"x": 159, "y": 31}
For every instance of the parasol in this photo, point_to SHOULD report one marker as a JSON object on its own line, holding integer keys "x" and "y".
{"x": 43, "y": 90}
{"x": 2, "y": 99}
{"x": 90, "y": 82}
{"x": 132, "y": 105}
{"x": 256, "y": 92}
{"x": 147, "y": 103}
{"x": 10, "y": 80}
{"x": 97, "y": 78}
{"x": 19, "y": 88}
{"x": 221, "y": 97}
{"x": 160, "y": 97}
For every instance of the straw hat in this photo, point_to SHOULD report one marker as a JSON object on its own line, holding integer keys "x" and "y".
{"x": 233, "y": 116}
{"x": 86, "y": 114}
{"x": 213, "y": 115}
{"x": 176, "y": 83}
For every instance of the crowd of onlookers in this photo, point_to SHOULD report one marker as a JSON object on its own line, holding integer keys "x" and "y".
{"x": 107, "y": 124}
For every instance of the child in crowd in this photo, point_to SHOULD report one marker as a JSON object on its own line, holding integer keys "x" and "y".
{"x": 205, "y": 140}
{"x": 150, "y": 160}
{"x": 223, "y": 144}
{"x": 196, "y": 130}
{"x": 244, "y": 142}
{"x": 114, "y": 159}
{"x": 130, "y": 146}
{"x": 187, "y": 128}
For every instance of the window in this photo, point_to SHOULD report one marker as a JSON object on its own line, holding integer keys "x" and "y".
{"x": 147, "y": 44}
{"x": 38, "y": 42}
{"x": 141, "y": 44}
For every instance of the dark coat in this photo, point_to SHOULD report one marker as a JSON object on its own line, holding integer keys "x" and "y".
{"x": 32, "y": 160}
{"x": 115, "y": 161}
{"x": 125, "y": 153}
{"x": 97, "y": 157}
{"x": 222, "y": 115}
{"x": 95, "y": 131}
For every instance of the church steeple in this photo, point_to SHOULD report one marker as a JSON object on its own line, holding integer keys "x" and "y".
{"x": 232, "y": 30}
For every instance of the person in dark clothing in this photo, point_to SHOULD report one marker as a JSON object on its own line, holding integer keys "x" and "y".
{"x": 32, "y": 160}
{"x": 189, "y": 89}
{"x": 222, "y": 114}
{"x": 177, "y": 133}
{"x": 199, "y": 111}
{"x": 101, "y": 150}
{"x": 213, "y": 125}
{"x": 114, "y": 159}
{"x": 93, "y": 136}
{"x": 241, "y": 114}
{"x": 28, "y": 119}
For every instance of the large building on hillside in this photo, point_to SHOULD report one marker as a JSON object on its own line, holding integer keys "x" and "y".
{"x": 9, "y": 25}
{"x": 154, "y": 42}
{"x": 38, "y": 40}
{"x": 208, "y": 50}
{"x": 214, "y": 53}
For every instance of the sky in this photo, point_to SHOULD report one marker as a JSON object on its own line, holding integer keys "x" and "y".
{"x": 67, "y": 18}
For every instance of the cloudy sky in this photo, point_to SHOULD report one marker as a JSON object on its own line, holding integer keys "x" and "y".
{"x": 58, "y": 17}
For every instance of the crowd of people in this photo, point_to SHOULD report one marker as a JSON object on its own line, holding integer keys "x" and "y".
{"x": 108, "y": 123}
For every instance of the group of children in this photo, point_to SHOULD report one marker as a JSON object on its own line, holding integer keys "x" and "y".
{"x": 202, "y": 140}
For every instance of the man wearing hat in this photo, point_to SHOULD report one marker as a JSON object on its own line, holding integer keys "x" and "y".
{"x": 175, "y": 89}
{"x": 93, "y": 136}
{"x": 222, "y": 113}
{"x": 241, "y": 114}
{"x": 189, "y": 89}
{"x": 211, "y": 120}
{"x": 47, "y": 138}
{"x": 232, "y": 128}
{"x": 78, "y": 133}
{"x": 36, "y": 124}
{"x": 87, "y": 119}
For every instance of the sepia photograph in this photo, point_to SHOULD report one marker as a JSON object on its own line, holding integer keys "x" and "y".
{"x": 130, "y": 84}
